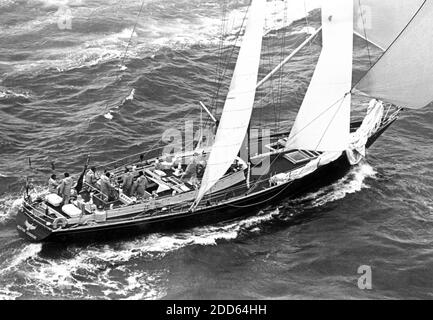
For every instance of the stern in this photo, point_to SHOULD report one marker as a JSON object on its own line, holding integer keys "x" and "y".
{"x": 29, "y": 227}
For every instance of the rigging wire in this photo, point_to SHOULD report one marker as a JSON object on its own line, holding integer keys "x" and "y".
{"x": 365, "y": 32}
{"x": 391, "y": 45}
{"x": 282, "y": 56}
{"x": 228, "y": 58}
{"x": 122, "y": 65}
{"x": 132, "y": 33}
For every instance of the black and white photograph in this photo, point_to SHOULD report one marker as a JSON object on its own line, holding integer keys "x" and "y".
{"x": 233, "y": 151}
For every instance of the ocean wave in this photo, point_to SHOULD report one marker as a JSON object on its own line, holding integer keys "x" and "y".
{"x": 155, "y": 35}
{"x": 109, "y": 115}
{"x": 303, "y": 30}
{"x": 11, "y": 203}
{"x": 6, "y": 293}
{"x": 81, "y": 275}
{"x": 19, "y": 256}
{"x": 6, "y": 3}
{"x": 353, "y": 182}
{"x": 158, "y": 245}
{"x": 110, "y": 267}
{"x": 9, "y": 206}
{"x": 6, "y": 94}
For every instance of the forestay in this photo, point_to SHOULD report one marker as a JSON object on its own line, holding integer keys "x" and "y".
{"x": 238, "y": 106}
{"x": 323, "y": 121}
{"x": 404, "y": 74}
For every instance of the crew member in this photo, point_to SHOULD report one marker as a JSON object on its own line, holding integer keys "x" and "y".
{"x": 90, "y": 177}
{"x": 141, "y": 184}
{"x": 127, "y": 182}
{"x": 65, "y": 188}
{"x": 53, "y": 184}
{"x": 106, "y": 188}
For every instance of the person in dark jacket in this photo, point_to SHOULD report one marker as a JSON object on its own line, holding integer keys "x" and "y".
{"x": 53, "y": 184}
{"x": 127, "y": 182}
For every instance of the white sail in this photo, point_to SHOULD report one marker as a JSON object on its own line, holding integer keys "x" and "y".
{"x": 238, "y": 106}
{"x": 404, "y": 74}
{"x": 381, "y": 21}
{"x": 323, "y": 121}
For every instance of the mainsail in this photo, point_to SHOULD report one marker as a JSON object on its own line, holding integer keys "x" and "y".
{"x": 323, "y": 121}
{"x": 381, "y": 21}
{"x": 402, "y": 81}
{"x": 238, "y": 106}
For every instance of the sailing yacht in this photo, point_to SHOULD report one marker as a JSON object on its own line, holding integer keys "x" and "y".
{"x": 321, "y": 146}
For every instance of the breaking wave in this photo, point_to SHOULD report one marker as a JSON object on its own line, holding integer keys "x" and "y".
{"x": 9, "y": 206}
{"x": 154, "y": 35}
{"x": 109, "y": 269}
{"x": 353, "y": 182}
{"x": 109, "y": 115}
{"x": 9, "y": 94}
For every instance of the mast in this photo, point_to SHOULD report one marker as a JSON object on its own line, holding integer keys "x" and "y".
{"x": 236, "y": 115}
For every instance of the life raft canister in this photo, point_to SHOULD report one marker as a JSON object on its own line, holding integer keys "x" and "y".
{"x": 60, "y": 223}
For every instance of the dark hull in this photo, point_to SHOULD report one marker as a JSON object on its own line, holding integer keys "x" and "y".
{"x": 249, "y": 205}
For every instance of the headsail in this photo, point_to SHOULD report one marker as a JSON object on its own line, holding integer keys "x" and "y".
{"x": 381, "y": 21}
{"x": 323, "y": 121}
{"x": 238, "y": 106}
{"x": 402, "y": 81}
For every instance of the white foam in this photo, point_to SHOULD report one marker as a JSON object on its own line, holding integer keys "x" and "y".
{"x": 11, "y": 203}
{"x": 131, "y": 95}
{"x": 178, "y": 34}
{"x": 75, "y": 276}
{"x": 7, "y": 94}
{"x": 303, "y": 30}
{"x": 19, "y": 256}
{"x": 108, "y": 115}
{"x": 9, "y": 206}
{"x": 53, "y": 277}
{"x": 353, "y": 182}
{"x": 7, "y": 294}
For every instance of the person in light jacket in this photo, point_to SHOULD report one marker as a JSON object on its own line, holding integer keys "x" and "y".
{"x": 65, "y": 188}
{"x": 106, "y": 187}
{"x": 90, "y": 177}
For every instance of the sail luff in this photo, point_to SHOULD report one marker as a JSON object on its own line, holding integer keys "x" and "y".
{"x": 405, "y": 82}
{"x": 238, "y": 106}
{"x": 323, "y": 121}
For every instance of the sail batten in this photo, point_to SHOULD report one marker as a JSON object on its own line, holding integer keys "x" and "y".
{"x": 323, "y": 121}
{"x": 405, "y": 81}
{"x": 238, "y": 106}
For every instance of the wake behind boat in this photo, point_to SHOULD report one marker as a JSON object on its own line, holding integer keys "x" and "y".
{"x": 222, "y": 178}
